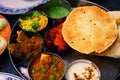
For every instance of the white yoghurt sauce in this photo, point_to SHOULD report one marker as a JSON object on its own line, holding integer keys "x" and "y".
{"x": 83, "y": 71}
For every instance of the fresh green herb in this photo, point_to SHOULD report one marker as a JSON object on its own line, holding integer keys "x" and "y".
{"x": 44, "y": 70}
{"x": 31, "y": 55}
{"x": 35, "y": 25}
{"x": 52, "y": 77}
{"x": 39, "y": 19}
{"x": 32, "y": 71}
{"x": 36, "y": 13}
{"x": 26, "y": 17}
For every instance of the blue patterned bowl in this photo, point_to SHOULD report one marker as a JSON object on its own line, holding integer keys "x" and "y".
{"x": 12, "y": 6}
{"x": 9, "y": 76}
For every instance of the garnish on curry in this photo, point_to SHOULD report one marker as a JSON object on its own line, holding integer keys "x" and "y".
{"x": 47, "y": 67}
{"x": 33, "y": 21}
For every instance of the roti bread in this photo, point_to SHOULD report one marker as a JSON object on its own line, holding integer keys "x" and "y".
{"x": 114, "y": 50}
{"x": 116, "y": 15}
{"x": 89, "y": 29}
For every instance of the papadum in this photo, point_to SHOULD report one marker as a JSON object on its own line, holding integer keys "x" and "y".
{"x": 89, "y": 29}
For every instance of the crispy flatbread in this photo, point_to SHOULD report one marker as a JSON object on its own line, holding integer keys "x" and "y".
{"x": 89, "y": 29}
{"x": 116, "y": 15}
{"x": 114, "y": 50}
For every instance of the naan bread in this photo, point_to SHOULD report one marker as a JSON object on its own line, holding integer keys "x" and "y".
{"x": 116, "y": 15}
{"x": 114, "y": 50}
{"x": 89, "y": 29}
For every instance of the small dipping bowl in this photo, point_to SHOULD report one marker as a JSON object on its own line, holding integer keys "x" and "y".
{"x": 57, "y": 9}
{"x": 46, "y": 66}
{"x": 82, "y": 70}
{"x": 25, "y": 45}
{"x": 33, "y": 21}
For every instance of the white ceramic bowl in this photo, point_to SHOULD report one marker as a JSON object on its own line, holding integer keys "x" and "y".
{"x": 82, "y": 69}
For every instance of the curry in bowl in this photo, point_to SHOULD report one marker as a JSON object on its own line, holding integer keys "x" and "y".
{"x": 26, "y": 45}
{"x": 46, "y": 66}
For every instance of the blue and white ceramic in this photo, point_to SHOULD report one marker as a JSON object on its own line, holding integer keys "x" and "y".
{"x": 8, "y": 76}
{"x": 18, "y": 6}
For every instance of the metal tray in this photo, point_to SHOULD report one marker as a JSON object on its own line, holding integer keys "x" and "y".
{"x": 109, "y": 67}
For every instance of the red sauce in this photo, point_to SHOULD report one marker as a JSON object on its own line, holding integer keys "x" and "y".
{"x": 54, "y": 40}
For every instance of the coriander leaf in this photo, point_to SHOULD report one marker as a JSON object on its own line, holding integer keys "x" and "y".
{"x": 36, "y": 13}
{"x": 35, "y": 25}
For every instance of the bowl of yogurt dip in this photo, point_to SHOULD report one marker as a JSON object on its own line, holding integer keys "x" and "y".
{"x": 82, "y": 70}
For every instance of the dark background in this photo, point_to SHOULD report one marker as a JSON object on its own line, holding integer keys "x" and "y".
{"x": 5, "y": 63}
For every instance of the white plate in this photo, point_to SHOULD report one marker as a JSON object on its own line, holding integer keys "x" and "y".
{"x": 18, "y": 6}
{"x": 8, "y": 76}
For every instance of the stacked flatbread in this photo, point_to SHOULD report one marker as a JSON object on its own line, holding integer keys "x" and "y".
{"x": 90, "y": 29}
{"x": 114, "y": 50}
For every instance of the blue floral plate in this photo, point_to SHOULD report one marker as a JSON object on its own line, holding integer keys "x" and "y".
{"x": 18, "y": 6}
{"x": 8, "y": 76}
